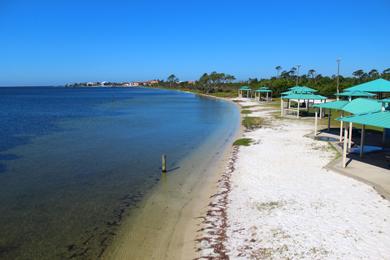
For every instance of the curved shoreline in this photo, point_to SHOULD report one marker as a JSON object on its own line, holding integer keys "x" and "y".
{"x": 165, "y": 225}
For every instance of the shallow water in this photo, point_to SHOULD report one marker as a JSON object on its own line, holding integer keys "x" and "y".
{"x": 75, "y": 162}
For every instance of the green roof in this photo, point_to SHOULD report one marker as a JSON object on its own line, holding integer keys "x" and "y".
{"x": 378, "y": 85}
{"x": 363, "y": 106}
{"x": 304, "y": 96}
{"x": 302, "y": 89}
{"x": 386, "y": 100}
{"x": 286, "y": 93}
{"x": 355, "y": 94}
{"x": 245, "y": 88}
{"x": 378, "y": 119}
{"x": 263, "y": 90}
{"x": 336, "y": 105}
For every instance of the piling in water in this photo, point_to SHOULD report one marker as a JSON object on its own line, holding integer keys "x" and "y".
{"x": 164, "y": 163}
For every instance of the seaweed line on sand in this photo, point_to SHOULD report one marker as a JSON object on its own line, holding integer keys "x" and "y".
{"x": 211, "y": 237}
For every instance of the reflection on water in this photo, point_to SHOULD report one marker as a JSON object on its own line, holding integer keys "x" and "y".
{"x": 73, "y": 162}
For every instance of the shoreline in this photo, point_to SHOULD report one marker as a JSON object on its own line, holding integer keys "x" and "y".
{"x": 174, "y": 231}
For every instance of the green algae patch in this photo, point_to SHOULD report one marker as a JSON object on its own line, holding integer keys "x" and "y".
{"x": 252, "y": 122}
{"x": 243, "y": 142}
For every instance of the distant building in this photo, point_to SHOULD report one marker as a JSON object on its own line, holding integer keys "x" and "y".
{"x": 134, "y": 84}
{"x": 152, "y": 82}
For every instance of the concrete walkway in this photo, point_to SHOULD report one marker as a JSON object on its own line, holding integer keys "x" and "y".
{"x": 373, "y": 169}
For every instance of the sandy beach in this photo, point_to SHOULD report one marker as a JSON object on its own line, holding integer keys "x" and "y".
{"x": 276, "y": 200}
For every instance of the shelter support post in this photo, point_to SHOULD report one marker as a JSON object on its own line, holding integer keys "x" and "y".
{"x": 350, "y": 137}
{"x": 345, "y": 147}
{"x": 362, "y": 141}
{"x": 298, "y": 109}
{"x": 315, "y": 124}
{"x": 281, "y": 107}
{"x": 329, "y": 117}
{"x": 341, "y": 128}
{"x": 320, "y": 112}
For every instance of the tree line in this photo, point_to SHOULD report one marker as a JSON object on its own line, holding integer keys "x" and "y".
{"x": 222, "y": 83}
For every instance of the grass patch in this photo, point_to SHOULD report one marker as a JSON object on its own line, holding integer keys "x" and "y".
{"x": 252, "y": 122}
{"x": 246, "y": 111}
{"x": 229, "y": 94}
{"x": 243, "y": 142}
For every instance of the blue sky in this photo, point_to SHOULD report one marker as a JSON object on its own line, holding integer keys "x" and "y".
{"x": 55, "y": 42}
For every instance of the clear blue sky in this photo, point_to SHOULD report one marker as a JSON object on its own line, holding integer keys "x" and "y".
{"x": 55, "y": 42}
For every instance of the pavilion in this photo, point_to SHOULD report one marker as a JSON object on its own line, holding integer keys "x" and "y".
{"x": 355, "y": 94}
{"x": 355, "y": 107}
{"x": 244, "y": 89}
{"x": 378, "y": 86}
{"x": 298, "y": 94}
{"x": 265, "y": 90}
{"x": 378, "y": 119}
{"x": 334, "y": 105}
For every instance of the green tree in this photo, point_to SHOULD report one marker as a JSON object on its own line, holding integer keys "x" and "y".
{"x": 358, "y": 74}
{"x": 311, "y": 73}
{"x": 172, "y": 79}
{"x": 373, "y": 74}
{"x": 229, "y": 78}
{"x": 386, "y": 74}
{"x": 278, "y": 69}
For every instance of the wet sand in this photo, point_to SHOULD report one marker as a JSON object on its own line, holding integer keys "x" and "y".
{"x": 165, "y": 225}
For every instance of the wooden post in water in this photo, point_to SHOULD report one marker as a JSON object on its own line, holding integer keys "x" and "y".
{"x": 164, "y": 163}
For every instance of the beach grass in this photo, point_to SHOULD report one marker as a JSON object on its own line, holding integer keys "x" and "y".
{"x": 243, "y": 142}
{"x": 246, "y": 111}
{"x": 252, "y": 122}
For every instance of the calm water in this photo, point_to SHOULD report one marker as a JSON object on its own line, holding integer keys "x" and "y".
{"x": 75, "y": 162}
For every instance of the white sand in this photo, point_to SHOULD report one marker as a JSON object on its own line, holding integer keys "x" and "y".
{"x": 283, "y": 204}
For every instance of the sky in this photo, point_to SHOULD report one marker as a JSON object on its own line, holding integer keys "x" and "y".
{"x": 46, "y": 42}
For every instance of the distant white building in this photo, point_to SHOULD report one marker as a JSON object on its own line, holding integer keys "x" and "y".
{"x": 134, "y": 84}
